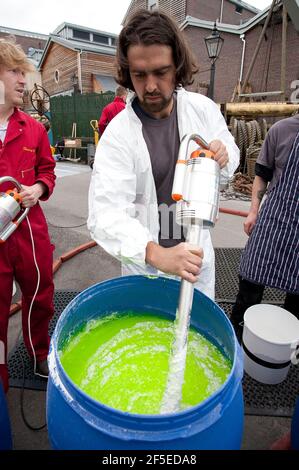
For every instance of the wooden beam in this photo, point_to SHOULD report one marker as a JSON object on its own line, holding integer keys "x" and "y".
{"x": 260, "y": 109}
{"x": 283, "y": 51}
{"x": 257, "y": 48}
{"x": 261, "y": 93}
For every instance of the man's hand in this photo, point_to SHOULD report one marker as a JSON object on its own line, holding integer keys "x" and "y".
{"x": 31, "y": 194}
{"x": 183, "y": 260}
{"x": 258, "y": 190}
{"x": 250, "y": 222}
{"x": 219, "y": 149}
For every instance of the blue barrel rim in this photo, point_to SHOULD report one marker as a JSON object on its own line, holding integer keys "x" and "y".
{"x": 6, "y": 442}
{"x": 227, "y": 388}
{"x": 116, "y": 281}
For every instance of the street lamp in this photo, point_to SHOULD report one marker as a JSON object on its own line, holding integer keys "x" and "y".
{"x": 214, "y": 44}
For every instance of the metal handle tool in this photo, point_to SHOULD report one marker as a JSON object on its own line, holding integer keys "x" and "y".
{"x": 196, "y": 190}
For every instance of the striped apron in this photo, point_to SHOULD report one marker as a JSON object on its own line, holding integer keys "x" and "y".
{"x": 271, "y": 255}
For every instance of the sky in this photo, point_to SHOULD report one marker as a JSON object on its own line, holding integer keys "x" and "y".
{"x": 42, "y": 16}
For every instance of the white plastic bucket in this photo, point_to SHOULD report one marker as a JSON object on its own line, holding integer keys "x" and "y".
{"x": 270, "y": 336}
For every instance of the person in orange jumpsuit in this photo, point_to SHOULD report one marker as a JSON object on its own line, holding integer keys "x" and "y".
{"x": 112, "y": 109}
{"x": 26, "y": 156}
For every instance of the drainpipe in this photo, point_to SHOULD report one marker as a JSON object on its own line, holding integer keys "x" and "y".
{"x": 79, "y": 70}
{"x": 242, "y": 59}
{"x": 221, "y": 12}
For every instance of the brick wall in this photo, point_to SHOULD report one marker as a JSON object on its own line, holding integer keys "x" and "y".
{"x": 205, "y": 10}
{"x": 176, "y": 9}
{"x": 27, "y": 42}
{"x": 227, "y": 66}
{"x": 265, "y": 76}
{"x": 210, "y": 10}
{"x": 133, "y": 7}
{"x": 266, "y": 73}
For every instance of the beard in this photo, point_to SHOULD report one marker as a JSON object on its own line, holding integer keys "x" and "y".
{"x": 152, "y": 107}
{"x": 17, "y": 99}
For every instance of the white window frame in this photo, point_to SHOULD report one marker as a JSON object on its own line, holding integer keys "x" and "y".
{"x": 56, "y": 76}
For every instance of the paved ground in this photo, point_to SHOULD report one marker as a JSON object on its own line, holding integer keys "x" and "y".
{"x": 68, "y": 169}
{"x": 66, "y": 212}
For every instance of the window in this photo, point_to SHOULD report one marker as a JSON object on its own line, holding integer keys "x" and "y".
{"x": 152, "y": 4}
{"x": 56, "y": 76}
{"x": 100, "y": 38}
{"x": 78, "y": 34}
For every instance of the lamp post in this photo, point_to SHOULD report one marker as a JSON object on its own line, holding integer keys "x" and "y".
{"x": 214, "y": 44}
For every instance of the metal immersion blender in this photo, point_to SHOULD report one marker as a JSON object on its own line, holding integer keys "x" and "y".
{"x": 196, "y": 190}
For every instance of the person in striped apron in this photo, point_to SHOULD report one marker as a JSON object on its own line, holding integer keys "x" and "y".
{"x": 270, "y": 257}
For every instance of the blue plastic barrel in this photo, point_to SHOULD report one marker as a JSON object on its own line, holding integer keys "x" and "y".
{"x": 77, "y": 421}
{"x": 5, "y": 431}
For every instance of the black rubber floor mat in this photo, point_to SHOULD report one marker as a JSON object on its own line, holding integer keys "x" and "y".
{"x": 227, "y": 267}
{"x": 19, "y": 364}
{"x": 269, "y": 400}
{"x": 264, "y": 400}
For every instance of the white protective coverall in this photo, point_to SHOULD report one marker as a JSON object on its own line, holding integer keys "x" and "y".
{"x": 123, "y": 211}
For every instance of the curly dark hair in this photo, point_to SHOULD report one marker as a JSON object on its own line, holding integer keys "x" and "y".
{"x": 154, "y": 27}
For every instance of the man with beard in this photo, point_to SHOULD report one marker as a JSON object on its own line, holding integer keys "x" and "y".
{"x": 135, "y": 162}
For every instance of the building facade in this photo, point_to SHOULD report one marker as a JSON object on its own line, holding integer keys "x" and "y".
{"x": 241, "y": 31}
{"x": 33, "y": 45}
{"x": 78, "y": 59}
{"x": 224, "y": 11}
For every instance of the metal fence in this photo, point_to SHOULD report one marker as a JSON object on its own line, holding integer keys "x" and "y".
{"x": 79, "y": 109}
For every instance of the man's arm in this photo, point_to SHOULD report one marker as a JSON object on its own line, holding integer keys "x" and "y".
{"x": 220, "y": 152}
{"x": 264, "y": 173}
{"x": 44, "y": 167}
{"x": 103, "y": 121}
{"x": 31, "y": 194}
{"x": 222, "y": 142}
{"x": 112, "y": 219}
{"x": 44, "y": 173}
{"x": 258, "y": 190}
{"x": 182, "y": 260}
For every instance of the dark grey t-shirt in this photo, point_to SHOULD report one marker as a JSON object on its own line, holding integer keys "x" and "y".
{"x": 162, "y": 140}
{"x": 278, "y": 145}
